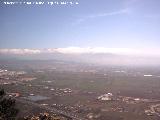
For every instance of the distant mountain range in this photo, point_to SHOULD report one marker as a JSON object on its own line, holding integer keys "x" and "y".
{"x": 85, "y": 55}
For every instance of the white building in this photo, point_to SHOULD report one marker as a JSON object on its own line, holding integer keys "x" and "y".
{"x": 108, "y": 96}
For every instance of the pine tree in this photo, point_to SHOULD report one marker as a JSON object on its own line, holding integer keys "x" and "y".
{"x": 7, "y": 107}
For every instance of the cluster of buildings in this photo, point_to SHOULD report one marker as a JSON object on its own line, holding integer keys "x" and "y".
{"x": 13, "y": 94}
{"x": 60, "y": 91}
{"x": 107, "y": 96}
{"x": 128, "y": 100}
{"x": 154, "y": 110}
{"x": 44, "y": 116}
{"x": 8, "y": 77}
{"x": 11, "y": 73}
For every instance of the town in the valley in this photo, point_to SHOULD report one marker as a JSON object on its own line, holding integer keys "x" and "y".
{"x": 65, "y": 90}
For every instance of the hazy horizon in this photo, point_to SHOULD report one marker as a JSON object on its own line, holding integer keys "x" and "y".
{"x": 98, "y": 56}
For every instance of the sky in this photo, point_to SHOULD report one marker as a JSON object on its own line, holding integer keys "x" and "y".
{"x": 131, "y": 24}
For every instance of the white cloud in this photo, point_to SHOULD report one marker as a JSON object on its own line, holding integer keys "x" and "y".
{"x": 20, "y": 51}
{"x": 79, "y": 50}
{"x": 131, "y": 2}
{"x": 123, "y": 11}
{"x": 83, "y": 50}
{"x": 80, "y": 20}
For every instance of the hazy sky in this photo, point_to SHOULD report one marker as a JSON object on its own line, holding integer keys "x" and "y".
{"x": 91, "y": 23}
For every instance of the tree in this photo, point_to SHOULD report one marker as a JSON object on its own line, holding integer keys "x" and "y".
{"x": 7, "y": 107}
